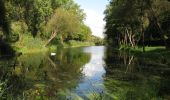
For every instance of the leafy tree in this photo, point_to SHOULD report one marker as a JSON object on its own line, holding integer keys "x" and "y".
{"x": 58, "y": 3}
{"x": 60, "y": 23}
{"x": 75, "y": 9}
{"x": 36, "y": 17}
{"x": 84, "y": 34}
{"x": 123, "y": 18}
{"x": 127, "y": 22}
{"x": 37, "y": 14}
{"x": 97, "y": 40}
{"x": 34, "y": 12}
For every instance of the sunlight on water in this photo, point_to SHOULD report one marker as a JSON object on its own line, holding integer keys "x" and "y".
{"x": 93, "y": 72}
{"x": 95, "y": 66}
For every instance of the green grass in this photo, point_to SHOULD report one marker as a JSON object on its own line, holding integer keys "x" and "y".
{"x": 155, "y": 55}
{"x": 73, "y": 43}
{"x": 28, "y": 44}
{"x": 150, "y": 51}
{"x": 147, "y": 49}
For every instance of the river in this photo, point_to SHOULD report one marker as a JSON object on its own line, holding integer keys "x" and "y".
{"x": 85, "y": 73}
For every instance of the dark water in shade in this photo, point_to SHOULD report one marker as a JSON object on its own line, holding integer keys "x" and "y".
{"x": 87, "y": 73}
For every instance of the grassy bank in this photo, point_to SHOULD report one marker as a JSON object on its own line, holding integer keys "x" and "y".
{"x": 74, "y": 43}
{"x": 28, "y": 44}
{"x": 158, "y": 50}
{"x": 155, "y": 55}
{"x": 147, "y": 49}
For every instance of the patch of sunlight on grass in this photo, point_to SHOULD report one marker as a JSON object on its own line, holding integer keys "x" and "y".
{"x": 155, "y": 48}
{"x": 150, "y": 48}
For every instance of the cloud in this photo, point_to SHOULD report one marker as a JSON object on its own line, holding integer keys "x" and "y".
{"x": 95, "y": 21}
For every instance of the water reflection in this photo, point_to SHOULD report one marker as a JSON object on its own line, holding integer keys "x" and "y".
{"x": 92, "y": 82}
{"x": 132, "y": 77}
{"x": 40, "y": 76}
{"x": 90, "y": 73}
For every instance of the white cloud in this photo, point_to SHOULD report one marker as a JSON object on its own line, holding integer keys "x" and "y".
{"x": 95, "y": 21}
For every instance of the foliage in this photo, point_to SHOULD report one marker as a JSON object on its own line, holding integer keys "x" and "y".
{"x": 38, "y": 14}
{"x": 62, "y": 24}
{"x": 73, "y": 43}
{"x": 97, "y": 40}
{"x": 28, "y": 44}
{"x": 130, "y": 23}
{"x": 38, "y": 17}
{"x": 19, "y": 27}
{"x": 84, "y": 34}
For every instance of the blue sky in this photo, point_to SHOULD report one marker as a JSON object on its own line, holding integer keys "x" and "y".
{"x": 94, "y": 14}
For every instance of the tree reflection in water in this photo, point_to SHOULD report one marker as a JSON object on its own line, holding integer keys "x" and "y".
{"x": 38, "y": 76}
{"x": 120, "y": 76}
{"x": 131, "y": 77}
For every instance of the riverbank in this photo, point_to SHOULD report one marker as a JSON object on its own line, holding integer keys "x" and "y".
{"x": 155, "y": 55}
{"x": 74, "y": 43}
{"x": 28, "y": 44}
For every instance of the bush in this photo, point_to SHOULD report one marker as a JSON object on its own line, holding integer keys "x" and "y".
{"x": 19, "y": 27}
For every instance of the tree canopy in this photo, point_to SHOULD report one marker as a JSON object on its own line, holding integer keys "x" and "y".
{"x": 132, "y": 22}
{"x": 41, "y": 18}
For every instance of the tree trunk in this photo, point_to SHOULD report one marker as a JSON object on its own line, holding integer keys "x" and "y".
{"x": 129, "y": 34}
{"x": 133, "y": 40}
{"x": 142, "y": 28}
{"x": 53, "y": 35}
{"x": 143, "y": 39}
{"x": 62, "y": 41}
{"x": 126, "y": 42}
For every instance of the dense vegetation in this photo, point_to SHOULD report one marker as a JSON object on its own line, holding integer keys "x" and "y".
{"x": 41, "y": 23}
{"x": 132, "y": 23}
{"x": 135, "y": 64}
{"x": 137, "y": 54}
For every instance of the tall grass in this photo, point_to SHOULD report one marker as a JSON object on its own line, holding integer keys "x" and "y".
{"x": 28, "y": 44}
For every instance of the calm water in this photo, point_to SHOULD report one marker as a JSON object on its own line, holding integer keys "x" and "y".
{"x": 87, "y": 73}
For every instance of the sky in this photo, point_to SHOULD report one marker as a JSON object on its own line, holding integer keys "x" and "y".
{"x": 94, "y": 14}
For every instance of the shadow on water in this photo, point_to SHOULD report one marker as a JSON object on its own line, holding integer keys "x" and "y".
{"x": 41, "y": 76}
{"x": 132, "y": 76}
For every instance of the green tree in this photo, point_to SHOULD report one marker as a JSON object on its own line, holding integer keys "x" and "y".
{"x": 34, "y": 13}
{"x": 61, "y": 24}
{"x": 84, "y": 34}
{"x": 127, "y": 22}
{"x": 37, "y": 14}
{"x": 123, "y": 22}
